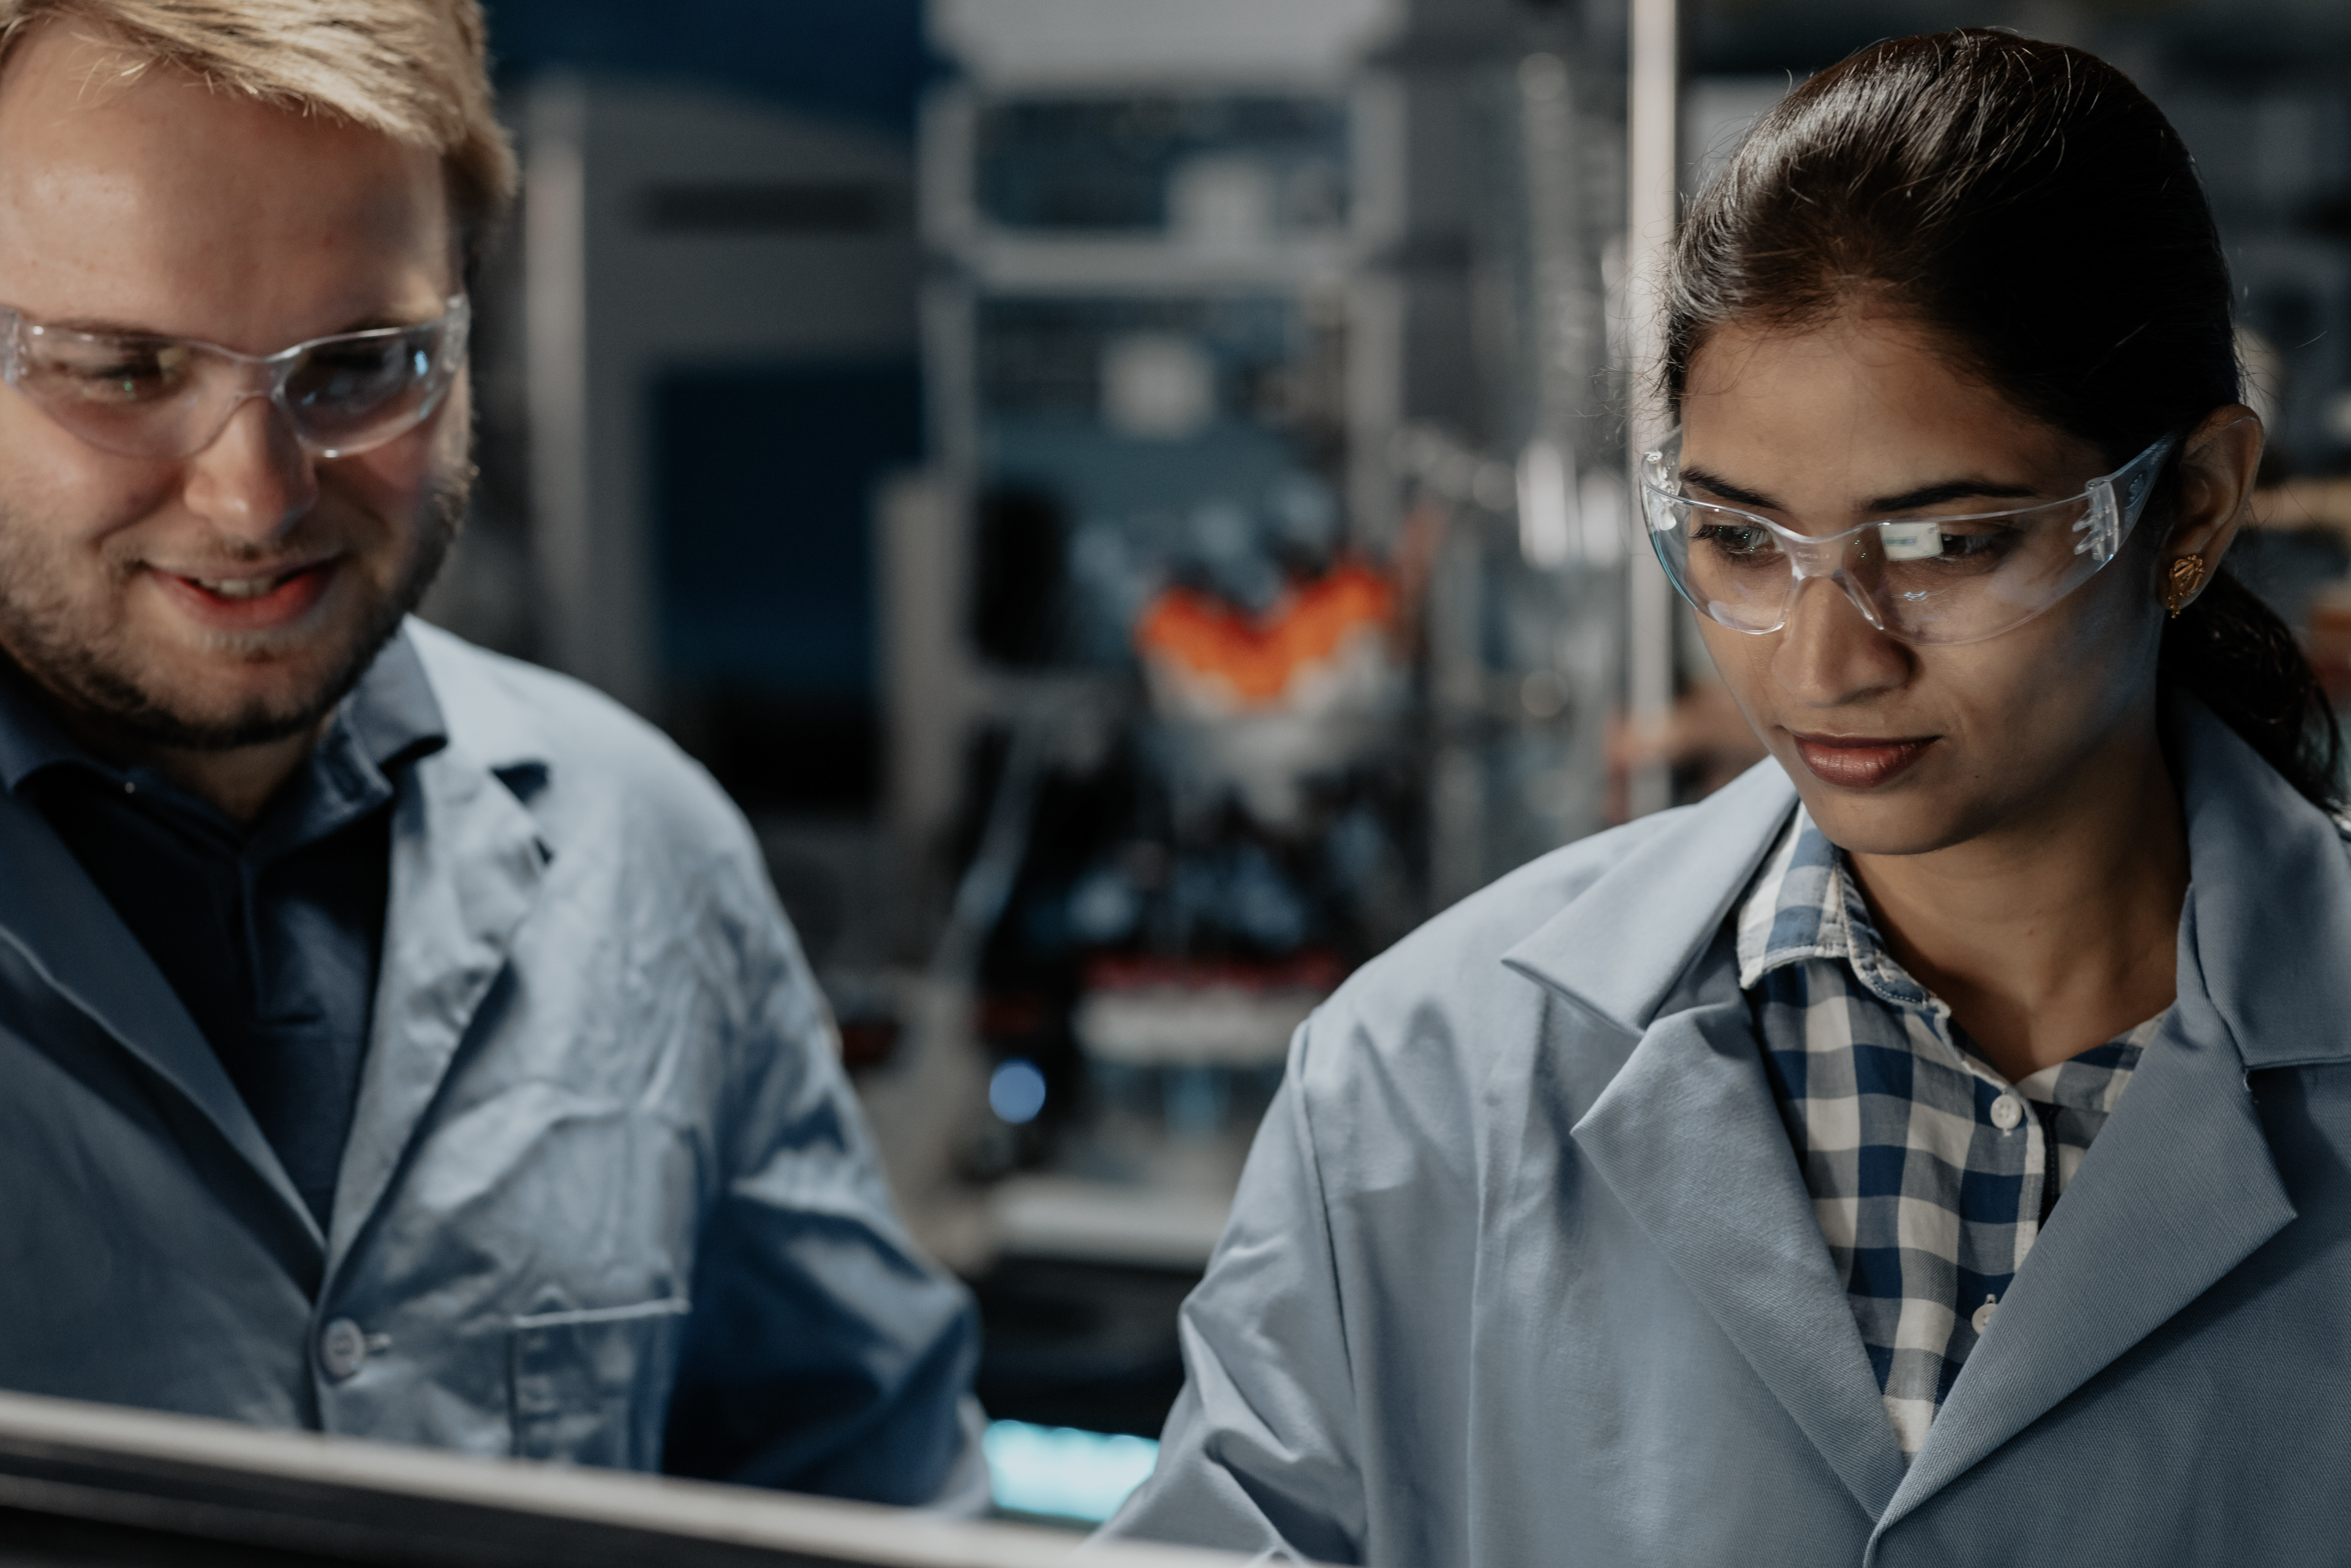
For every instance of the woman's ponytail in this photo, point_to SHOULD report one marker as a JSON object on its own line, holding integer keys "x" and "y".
{"x": 2232, "y": 653}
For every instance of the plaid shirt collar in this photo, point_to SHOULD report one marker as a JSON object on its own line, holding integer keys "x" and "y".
{"x": 1804, "y": 905}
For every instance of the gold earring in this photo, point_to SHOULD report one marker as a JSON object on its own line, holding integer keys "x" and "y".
{"x": 2187, "y": 576}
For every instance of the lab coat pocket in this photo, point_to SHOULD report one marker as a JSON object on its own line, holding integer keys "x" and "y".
{"x": 592, "y": 1387}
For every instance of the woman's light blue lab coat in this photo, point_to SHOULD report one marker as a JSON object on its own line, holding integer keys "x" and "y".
{"x": 1524, "y": 1271}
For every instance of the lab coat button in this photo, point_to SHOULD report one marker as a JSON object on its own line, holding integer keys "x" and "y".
{"x": 1982, "y": 1318}
{"x": 341, "y": 1348}
{"x": 2006, "y": 1113}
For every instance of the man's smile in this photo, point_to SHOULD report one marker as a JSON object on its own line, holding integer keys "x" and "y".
{"x": 244, "y": 600}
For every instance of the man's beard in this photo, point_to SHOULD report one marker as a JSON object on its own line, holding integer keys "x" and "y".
{"x": 40, "y": 632}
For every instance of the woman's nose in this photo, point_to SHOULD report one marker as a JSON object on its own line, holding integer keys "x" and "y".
{"x": 1829, "y": 653}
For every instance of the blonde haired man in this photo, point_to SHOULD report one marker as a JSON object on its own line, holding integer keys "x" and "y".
{"x": 394, "y": 1040}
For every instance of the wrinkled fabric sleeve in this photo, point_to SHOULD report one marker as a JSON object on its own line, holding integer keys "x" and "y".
{"x": 824, "y": 1354}
{"x": 1261, "y": 1453}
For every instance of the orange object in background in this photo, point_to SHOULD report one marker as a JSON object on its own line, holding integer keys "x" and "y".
{"x": 1258, "y": 657}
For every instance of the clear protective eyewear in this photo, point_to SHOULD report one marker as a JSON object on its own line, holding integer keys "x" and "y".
{"x": 141, "y": 395}
{"x": 1928, "y": 578}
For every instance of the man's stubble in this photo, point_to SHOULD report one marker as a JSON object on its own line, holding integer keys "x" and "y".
{"x": 44, "y": 633}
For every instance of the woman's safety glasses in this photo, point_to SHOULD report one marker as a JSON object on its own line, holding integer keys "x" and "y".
{"x": 142, "y": 396}
{"x": 1928, "y": 578}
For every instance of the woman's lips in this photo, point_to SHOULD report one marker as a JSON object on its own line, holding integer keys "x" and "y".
{"x": 1858, "y": 762}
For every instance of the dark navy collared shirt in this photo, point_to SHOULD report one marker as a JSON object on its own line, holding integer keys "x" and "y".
{"x": 270, "y": 934}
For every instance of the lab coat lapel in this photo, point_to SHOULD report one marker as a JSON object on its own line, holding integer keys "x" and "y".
{"x": 1688, "y": 1138}
{"x": 1621, "y": 945}
{"x": 1688, "y": 1135}
{"x": 54, "y": 914}
{"x": 467, "y": 863}
{"x": 2180, "y": 1186}
{"x": 2178, "y": 1190}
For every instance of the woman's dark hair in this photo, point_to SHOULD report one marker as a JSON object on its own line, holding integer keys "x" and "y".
{"x": 2028, "y": 205}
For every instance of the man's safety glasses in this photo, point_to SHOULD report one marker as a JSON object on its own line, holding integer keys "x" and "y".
{"x": 142, "y": 396}
{"x": 1922, "y": 579}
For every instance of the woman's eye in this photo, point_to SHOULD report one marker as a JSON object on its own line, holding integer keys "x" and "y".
{"x": 1739, "y": 541}
{"x": 1929, "y": 543}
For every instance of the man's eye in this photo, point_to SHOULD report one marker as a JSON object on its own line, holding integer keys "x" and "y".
{"x": 357, "y": 374}
{"x": 356, "y": 359}
{"x": 126, "y": 372}
{"x": 115, "y": 372}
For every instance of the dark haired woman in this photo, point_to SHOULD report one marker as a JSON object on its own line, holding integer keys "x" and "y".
{"x": 1935, "y": 1147}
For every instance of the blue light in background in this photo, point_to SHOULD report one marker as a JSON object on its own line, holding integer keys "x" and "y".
{"x": 1060, "y": 1472}
{"x": 1015, "y": 1091}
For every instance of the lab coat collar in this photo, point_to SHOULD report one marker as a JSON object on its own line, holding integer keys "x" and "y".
{"x": 497, "y": 729}
{"x": 467, "y": 862}
{"x": 2271, "y": 887}
{"x": 2269, "y": 902}
{"x": 1619, "y": 947}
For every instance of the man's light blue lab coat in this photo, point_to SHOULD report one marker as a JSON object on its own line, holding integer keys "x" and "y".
{"x": 605, "y": 1173}
{"x": 1524, "y": 1271}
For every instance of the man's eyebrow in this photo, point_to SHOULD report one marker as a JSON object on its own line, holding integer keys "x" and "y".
{"x": 97, "y": 327}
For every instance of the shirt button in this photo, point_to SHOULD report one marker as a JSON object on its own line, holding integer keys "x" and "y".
{"x": 2006, "y": 1113}
{"x": 341, "y": 1348}
{"x": 1982, "y": 1318}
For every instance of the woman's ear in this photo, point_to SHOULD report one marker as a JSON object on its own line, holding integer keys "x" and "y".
{"x": 2217, "y": 466}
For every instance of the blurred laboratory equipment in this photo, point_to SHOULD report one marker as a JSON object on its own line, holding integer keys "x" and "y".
{"x": 1262, "y": 596}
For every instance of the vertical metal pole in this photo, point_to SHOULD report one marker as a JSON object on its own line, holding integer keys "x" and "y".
{"x": 1653, "y": 182}
{"x": 555, "y": 334}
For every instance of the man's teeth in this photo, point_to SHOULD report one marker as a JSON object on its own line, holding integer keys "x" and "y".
{"x": 237, "y": 587}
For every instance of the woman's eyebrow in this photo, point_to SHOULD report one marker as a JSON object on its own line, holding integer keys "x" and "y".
{"x": 1908, "y": 500}
{"x": 1711, "y": 481}
{"x": 1952, "y": 490}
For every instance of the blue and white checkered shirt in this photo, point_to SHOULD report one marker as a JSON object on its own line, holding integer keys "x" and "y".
{"x": 1931, "y": 1173}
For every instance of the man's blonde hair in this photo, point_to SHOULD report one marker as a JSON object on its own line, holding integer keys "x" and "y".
{"x": 413, "y": 69}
